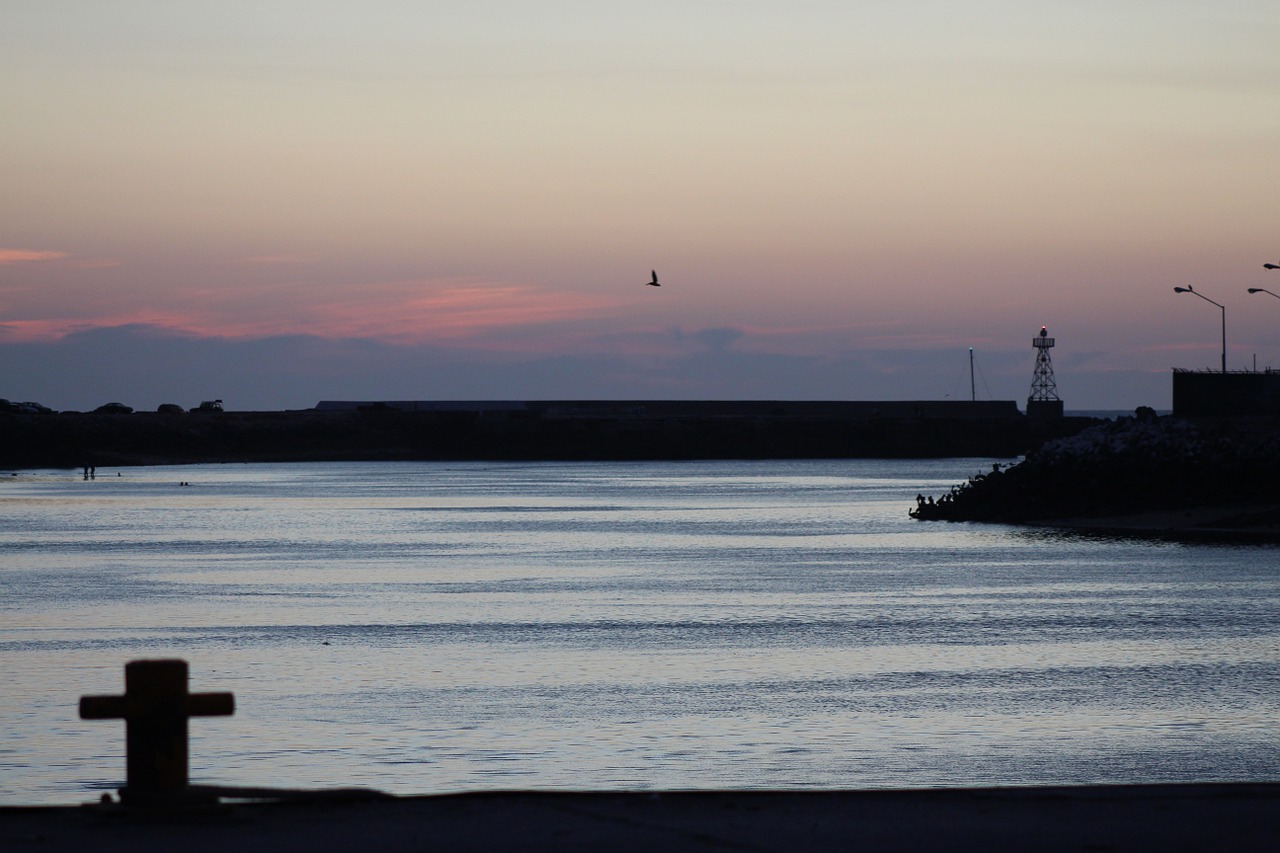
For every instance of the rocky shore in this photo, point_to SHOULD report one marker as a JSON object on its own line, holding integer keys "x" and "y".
{"x": 1140, "y": 475}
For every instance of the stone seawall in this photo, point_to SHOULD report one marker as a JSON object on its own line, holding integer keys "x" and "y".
{"x": 72, "y": 440}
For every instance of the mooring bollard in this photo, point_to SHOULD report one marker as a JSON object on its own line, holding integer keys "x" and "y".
{"x": 155, "y": 708}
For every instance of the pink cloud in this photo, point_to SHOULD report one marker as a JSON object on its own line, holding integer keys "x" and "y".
{"x": 403, "y": 312}
{"x": 17, "y": 256}
{"x": 47, "y": 329}
{"x": 274, "y": 260}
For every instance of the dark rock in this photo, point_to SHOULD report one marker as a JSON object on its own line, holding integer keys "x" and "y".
{"x": 1127, "y": 468}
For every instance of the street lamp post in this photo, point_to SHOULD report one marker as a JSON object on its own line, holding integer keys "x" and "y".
{"x": 1269, "y": 293}
{"x": 1263, "y": 289}
{"x": 1193, "y": 292}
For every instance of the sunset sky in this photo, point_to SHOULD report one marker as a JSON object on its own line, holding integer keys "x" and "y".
{"x": 275, "y": 203}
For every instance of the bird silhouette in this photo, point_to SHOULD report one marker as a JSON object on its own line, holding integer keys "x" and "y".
{"x": 654, "y": 283}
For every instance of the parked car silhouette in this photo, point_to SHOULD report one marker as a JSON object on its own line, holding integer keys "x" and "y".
{"x": 114, "y": 409}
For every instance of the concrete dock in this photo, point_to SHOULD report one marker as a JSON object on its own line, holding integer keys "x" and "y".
{"x": 1209, "y": 817}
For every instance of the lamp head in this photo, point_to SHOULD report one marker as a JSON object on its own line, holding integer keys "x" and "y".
{"x": 1271, "y": 266}
{"x": 1183, "y": 290}
{"x": 1255, "y": 290}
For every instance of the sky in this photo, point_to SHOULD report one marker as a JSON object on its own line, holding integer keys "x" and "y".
{"x": 279, "y": 203}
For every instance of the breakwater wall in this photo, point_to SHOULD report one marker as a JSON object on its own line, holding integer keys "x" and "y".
{"x": 71, "y": 440}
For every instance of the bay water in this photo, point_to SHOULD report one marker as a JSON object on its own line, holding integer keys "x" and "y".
{"x": 439, "y": 627}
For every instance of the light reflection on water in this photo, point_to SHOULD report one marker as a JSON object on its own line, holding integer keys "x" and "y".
{"x": 441, "y": 627}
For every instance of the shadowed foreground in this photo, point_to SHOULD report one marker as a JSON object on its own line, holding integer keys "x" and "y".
{"x": 70, "y": 440}
{"x": 1204, "y": 477}
{"x": 1237, "y": 817}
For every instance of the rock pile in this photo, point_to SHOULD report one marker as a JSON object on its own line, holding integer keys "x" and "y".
{"x": 1128, "y": 467}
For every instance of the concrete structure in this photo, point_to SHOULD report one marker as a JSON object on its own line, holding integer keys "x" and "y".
{"x": 1205, "y": 393}
{"x": 664, "y": 409}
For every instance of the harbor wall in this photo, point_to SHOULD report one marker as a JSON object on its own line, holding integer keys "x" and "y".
{"x": 565, "y": 431}
{"x": 649, "y": 409}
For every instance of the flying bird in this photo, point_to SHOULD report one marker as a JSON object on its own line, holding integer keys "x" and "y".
{"x": 654, "y": 283}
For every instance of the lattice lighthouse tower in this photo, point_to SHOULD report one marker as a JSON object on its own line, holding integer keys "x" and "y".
{"x": 1044, "y": 401}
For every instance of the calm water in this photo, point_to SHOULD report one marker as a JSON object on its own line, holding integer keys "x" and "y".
{"x": 425, "y": 627}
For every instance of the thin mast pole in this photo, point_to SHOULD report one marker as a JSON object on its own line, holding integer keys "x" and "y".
{"x": 1224, "y": 339}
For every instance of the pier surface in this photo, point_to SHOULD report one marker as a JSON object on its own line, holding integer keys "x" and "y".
{"x": 1208, "y": 817}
